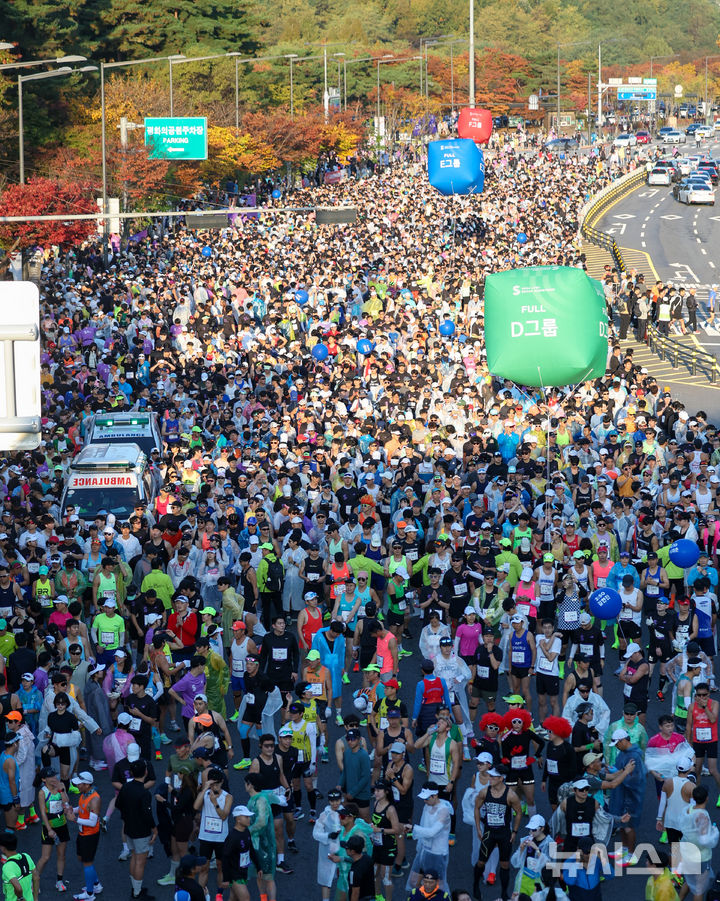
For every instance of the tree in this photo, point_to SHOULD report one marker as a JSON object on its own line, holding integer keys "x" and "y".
{"x": 230, "y": 154}
{"x": 42, "y": 197}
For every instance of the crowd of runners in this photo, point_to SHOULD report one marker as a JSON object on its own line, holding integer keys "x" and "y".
{"x": 356, "y": 611}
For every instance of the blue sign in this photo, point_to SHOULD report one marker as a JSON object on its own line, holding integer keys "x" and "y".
{"x": 638, "y": 92}
{"x": 456, "y": 166}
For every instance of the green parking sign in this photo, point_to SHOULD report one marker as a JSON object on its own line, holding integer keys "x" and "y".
{"x": 177, "y": 139}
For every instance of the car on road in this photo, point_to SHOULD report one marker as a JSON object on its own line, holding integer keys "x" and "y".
{"x": 692, "y": 128}
{"x": 706, "y": 131}
{"x": 674, "y": 137}
{"x": 643, "y": 137}
{"x": 689, "y": 182}
{"x": 501, "y": 121}
{"x": 660, "y": 175}
{"x": 697, "y": 192}
{"x": 684, "y": 164}
{"x": 627, "y": 139}
{"x": 664, "y": 130}
{"x": 710, "y": 168}
{"x": 561, "y": 144}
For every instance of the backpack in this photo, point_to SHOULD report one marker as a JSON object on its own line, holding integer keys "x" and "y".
{"x": 275, "y": 575}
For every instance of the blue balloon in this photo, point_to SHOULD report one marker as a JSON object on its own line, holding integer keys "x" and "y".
{"x": 301, "y": 296}
{"x": 605, "y": 603}
{"x": 521, "y": 238}
{"x": 394, "y": 337}
{"x": 320, "y": 352}
{"x": 456, "y": 166}
{"x": 447, "y": 328}
{"x": 276, "y": 194}
{"x": 365, "y": 346}
{"x": 684, "y": 553}
{"x": 206, "y": 251}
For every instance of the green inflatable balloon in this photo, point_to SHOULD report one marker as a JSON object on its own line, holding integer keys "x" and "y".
{"x": 545, "y": 325}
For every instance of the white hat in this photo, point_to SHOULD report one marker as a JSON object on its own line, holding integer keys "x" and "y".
{"x": 632, "y": 648}
{"x": 124, "y": 718}
{"x": 494, "y": 772}
{"x": 242, "y": 811}
{"x": 527, "y": 574}
{"x": 83, "y": 777}
{"x": 517, "y": 618}
{"x": 98, "y": 668}
{"x": 402, "y": 572}
{"x": 427, "y": 793}
{"x": 619, "y": 735}
{"x": 469, "y": 610}
{"x": 685, "y": 763}
{"x": 109, "y": 602}
{"x": 535, "y": 822}
{"x": 133, "y": 751}
{"x": 484, "y": 757}
{"x": 585, "y": 617}
{"x": 581, "y": 783}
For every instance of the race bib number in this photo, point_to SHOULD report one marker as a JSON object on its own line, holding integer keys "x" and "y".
{"x": 601, "y": 582}
{"x": 312, "y": 577}
{"x": 55, "y": 806}
{"x": 483, "y": 672}
{"x": 402, "y": 605}
{"x": 627, "y": 690}
{"x": 703, "y": 734}
{"x": 580, "y": 829}
{"x": 213, "y": 824}
{"x": 238, "y": 667}
{"x": 412, "y": 555}
{"x": 545, "y": 665}
{"x": 135, "y": 724}
{"x": 518, "y": 657}
{"x": 379, "y": 659}
{"x": 518, "y": 763}
{"x": 107, "y": 637}
{"x": 437, "y": 767}
{"x": 316, "y": 689}
{"x": 377, "y": 838}
{"x": 626, "y": 613}
{"x": 495, "y": 819}
{"x": 244, "y": 860}
{"x": 552, "y": 767}
{"x": 524, "y": 609}
{"x": 250, "y": 698}
{"x": 45, "y": 600}
{"x": 571, "y": 616}
{"x": 460, "y": 589}
{"x": 280, "y": 654}
{"x": 383, "y": 722}
{"x": 587, "y": 649}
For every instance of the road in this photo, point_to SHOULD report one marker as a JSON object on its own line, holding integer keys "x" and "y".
{"x": 114, "y": 874}
{"x": 674, "y": 242}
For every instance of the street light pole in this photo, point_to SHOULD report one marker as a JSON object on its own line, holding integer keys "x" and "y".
{"x": 172, "y": 111}
{"x": 63, "y": 60}
{"x": 237, "y": 97}
{"x": 326, "y": 99}
{"x": 471, "y": 57}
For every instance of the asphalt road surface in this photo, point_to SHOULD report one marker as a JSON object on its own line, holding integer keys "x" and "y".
{"x": 682, "y": 241}
{"x": 114, "y": 874}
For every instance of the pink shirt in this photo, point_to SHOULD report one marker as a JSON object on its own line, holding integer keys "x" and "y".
{"x": 657, "y": 741}
{"x": 469, "y": 637}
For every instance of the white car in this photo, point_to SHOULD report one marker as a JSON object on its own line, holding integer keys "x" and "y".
{"x": 697, "y": 192}
{"x": 705, "y": 131}
{"x": 625, "y": 140}
{"x": 685, "y": 165}
{"x": 660, "y": 175}
{"x": 674, "y": 137}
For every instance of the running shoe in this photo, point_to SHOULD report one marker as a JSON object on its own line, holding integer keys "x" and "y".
{"x": 20, "y": 826}
{"x": 312, "y": 817}
{"x": 346, "y": 679}
{"x": 242, "y": 764}
{"x": 60, "y": 886}
{"x": 405, "y": 653}
{"x": 158, "y": 754}
{"x": 339, "y": 720}
{"x": 663, "y": 838}
{"x": 660, "y": 696}
{"x": 233, "y": 718}
{"x": 298, "y": 813}
{"x": 124, "y": 854}
{"x": 284, "y": 868}
{"x": 174, "y": 726}
{"x": 83, "y": 896}
{"x": 451, "y": 839}
{"x": 490, "y": 879}
{"x": 396, "y": 871}
{"x": 164, "y": 740}
{"x": 167, "y": 879}
{"x": 33, "y": 818}
{"x": 97, "y": 888}
{"x": 292, "y": 846}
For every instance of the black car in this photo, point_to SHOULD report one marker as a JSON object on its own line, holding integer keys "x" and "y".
{"x": 561, "y": 144}
{"x": 501, "y": 121}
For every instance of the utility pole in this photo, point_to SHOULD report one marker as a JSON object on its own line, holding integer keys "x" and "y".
{"x": 326, "y": 98}
{"x": 600, "y": 115}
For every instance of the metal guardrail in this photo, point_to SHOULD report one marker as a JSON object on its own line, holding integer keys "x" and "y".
{"x": 596, "y": 207}
{"x": 676, "y": 353}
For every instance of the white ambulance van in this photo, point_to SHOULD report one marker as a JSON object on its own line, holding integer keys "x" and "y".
{"x": 108, "y": 478}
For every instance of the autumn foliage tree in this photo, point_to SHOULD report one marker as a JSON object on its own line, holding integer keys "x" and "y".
{"x": 43, "y": 197}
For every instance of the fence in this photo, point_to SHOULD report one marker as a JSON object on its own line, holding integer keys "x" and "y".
{"x": 598, "y": 205}
{"x": 676, "y": 354}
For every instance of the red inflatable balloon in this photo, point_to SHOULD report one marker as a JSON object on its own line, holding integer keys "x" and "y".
{"x": 475, "y": 124}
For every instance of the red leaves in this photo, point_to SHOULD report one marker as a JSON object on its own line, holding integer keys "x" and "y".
{"x": 43, "y": 196}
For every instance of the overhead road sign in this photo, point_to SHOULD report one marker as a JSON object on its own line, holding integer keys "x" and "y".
{"x": 177, "y": 139}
